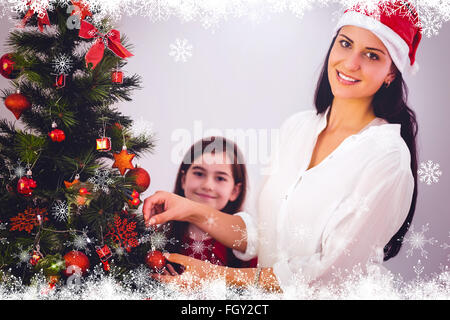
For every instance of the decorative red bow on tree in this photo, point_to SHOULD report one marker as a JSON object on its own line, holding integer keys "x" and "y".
{"x": 111, "y": 39}
{"x": 42, "y": 16}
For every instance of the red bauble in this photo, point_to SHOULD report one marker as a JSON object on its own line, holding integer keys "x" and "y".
{"x": 76, "y": 261}
{"x": 25, "y": 186}
{"x": 57, "y": 135}
{"x": 17, "y": 103}
{"x": 155, "y": 260}
{"x": 7, "y": 67}
{"x": 142, "y": 178}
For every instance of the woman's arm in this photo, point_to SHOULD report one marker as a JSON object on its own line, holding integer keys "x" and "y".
{"x": 228, "y": 229}
{"x": 196, "y": 270}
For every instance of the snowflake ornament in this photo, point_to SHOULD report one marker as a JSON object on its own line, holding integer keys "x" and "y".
{"x": 80, "y": 241}
{"x": 101, "y": 180}
{"x": 429, "y": 172}
{"x": 23, "y": 256}
{"x": 60, "y": 210}
{"x": 62, "y": 64}
{"x": 181, "y": 50}
{"x": 418, "y": 241}
{"x": 198, "y": 247}
{"x": 158, "y": 237}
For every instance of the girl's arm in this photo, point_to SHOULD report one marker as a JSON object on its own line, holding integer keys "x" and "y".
{"x": 228, "y": 229}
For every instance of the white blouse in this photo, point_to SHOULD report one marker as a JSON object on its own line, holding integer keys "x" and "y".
{"x": 336, "y": 215}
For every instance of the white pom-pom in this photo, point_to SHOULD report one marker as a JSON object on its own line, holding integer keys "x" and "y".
{"x": 414, "y": 68}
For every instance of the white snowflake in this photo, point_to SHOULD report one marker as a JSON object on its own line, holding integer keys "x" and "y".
{"x": 60, "y": 210}
{"x": 17, "y": 171}
{"x": 158, "y": 237}
{"x": 418, "y": 241}
{"x": 445, "y": 246}
{"x": 80, "y": 241}
{"x": 62, "y": 64}
{"x": 101, "y": 180}
{"x": 418, "y": 269}
{"x": 181, "y": 50}
{"x": 139, "y": 277}
{"x": 23, "y": 256}
{"x": 142, "y": 128}
{"x": 429, "y": 172}
{"x": 159, "y": 10}
{"x": 198, "y": 246}
{"x": 3, "y": 227}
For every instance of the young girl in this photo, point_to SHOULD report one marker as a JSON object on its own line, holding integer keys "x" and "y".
{"x": 213, "y": 173}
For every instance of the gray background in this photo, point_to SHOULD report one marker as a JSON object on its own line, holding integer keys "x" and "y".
{"x": 254, "y": 75}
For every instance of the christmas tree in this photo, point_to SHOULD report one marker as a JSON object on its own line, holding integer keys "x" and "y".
{"x": 62, "y": 203}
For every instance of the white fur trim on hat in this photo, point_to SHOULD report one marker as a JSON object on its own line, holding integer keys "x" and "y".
{"x": 397, "y": 47}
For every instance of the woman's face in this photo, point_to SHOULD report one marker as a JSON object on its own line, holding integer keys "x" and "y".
{"x": 359, "y": 64}
{"x": 209, "y": 180}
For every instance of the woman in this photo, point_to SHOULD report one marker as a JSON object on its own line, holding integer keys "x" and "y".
{"x": 344, "y": 185}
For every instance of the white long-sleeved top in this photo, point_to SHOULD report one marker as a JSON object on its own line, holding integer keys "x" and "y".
{"x": 338, "y": 214}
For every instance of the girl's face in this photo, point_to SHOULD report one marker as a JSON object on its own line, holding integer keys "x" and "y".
{"x": 209, "y": 180}
{"x": 359, "y": 64}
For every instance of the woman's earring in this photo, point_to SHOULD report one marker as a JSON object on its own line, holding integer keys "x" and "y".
{"x": 387, "y": 84}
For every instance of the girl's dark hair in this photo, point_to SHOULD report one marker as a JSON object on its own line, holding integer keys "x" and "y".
{"x": 238, "y": 168}
{"x": 389, "y": 104}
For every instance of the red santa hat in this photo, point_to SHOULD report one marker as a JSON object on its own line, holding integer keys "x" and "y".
{"x": 395, "y": 23}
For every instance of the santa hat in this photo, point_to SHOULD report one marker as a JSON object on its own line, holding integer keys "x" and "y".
{"x": 395, "y": 23}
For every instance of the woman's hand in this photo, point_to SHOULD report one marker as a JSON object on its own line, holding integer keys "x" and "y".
{"x": 164, "y": 206}
{"x": 195, "y": 271}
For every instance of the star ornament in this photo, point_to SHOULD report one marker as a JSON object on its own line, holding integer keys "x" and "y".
{"x": 122, "y": 160}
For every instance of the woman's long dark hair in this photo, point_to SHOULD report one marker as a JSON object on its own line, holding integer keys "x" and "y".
{"x": 238, "y": 169}
{"x": 390, "y": 104}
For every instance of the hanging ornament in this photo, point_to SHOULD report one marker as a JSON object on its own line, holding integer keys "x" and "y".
{"x": 7, "y": 67}
{"x": 76, "y": 262}
{"x": 75, "y": 181}
{"x": 62, "y": 65}
{"x": 117, "y": 76}
{"x": 26, "y": 184}
{"x": 17, "y": 103}
{"x": 42, "y": 16}
{"x": 155, "y": 260}
{"x": 141, "y": 178}
{"x": 111, "y": 39}
{"x": 60, "y": 81}
{"x": 103, "y": 144}
{"x": 104, "y": 254}
{"x": 57, "y": 135}
{"x": 122, "y": 160}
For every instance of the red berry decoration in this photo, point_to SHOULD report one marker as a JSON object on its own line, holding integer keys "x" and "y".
{"x": 76, "y": 261}
{"x": 17, "y": 103}
{"x": 141, "y": 178}
{"x": 155, "y": 260}
{"x": 57, "y": 135}
{"x": 7, "y": 67}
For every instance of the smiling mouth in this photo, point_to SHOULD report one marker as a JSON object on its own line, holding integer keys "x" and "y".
{"x": 346, "y": 79}
{"x": 205, "y": 196}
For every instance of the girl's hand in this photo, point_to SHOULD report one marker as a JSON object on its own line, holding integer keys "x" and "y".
{"x": 164, "y": 206}
{"x": 195, "y": 271}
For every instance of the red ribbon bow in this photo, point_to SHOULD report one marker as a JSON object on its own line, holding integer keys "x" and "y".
{"x": 95, "y": 53}
{"x": 42, "y": 17}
